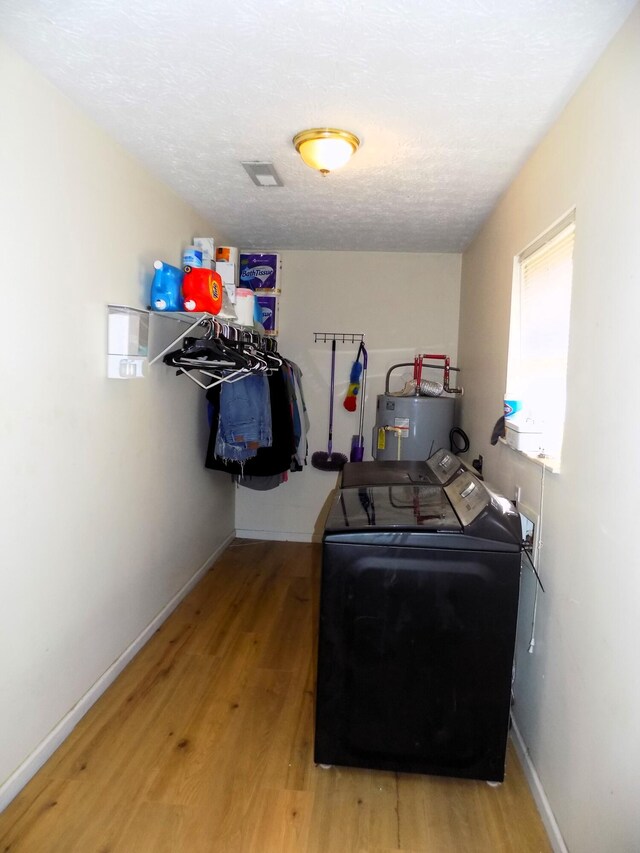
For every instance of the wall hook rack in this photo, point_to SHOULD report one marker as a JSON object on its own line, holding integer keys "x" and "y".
{"x": 341, "y": 337}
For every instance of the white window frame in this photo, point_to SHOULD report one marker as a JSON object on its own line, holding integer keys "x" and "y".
{"x": 552, "y": 433}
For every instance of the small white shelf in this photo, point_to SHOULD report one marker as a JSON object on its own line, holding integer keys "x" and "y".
{"x": 127, "y": 342}
{"x": 549, "y": 463}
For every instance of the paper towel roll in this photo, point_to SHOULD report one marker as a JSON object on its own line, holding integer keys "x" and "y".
{"x": 245, "y": 300}
{"x": 227, "y": 253}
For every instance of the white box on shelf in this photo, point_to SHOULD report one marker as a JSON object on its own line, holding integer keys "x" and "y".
{"x": 228, "y": 272}
{"x": 124, "y": 333}
{"x": 524, "y": 436}
{"x": 127, "y": 342}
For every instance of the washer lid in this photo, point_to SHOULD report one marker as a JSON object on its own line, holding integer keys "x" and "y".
{"x": 400, "y": 507}
{"x": 387, "y": 472}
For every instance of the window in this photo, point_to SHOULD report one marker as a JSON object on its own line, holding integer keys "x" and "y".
{"x": 539, "y": 334}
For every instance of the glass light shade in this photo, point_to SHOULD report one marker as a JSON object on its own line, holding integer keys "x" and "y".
{"x": 326, "y": 149}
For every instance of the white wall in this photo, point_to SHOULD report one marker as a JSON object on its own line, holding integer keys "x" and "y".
{"x": 578, "y": 696}
{"x": 404, "y": 303}
{"x": 106, "y": 508}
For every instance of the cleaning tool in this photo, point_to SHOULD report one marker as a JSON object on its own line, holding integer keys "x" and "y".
{"x": 350, "y": 401}
{"x": 330, "y": 461}
{"x": 357, "y": 441}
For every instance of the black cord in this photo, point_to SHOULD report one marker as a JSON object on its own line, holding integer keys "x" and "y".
{"x": 525, "y": 550}
{"x": 453, "y": 447}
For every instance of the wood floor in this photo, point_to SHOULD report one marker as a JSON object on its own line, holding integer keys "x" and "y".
{"x": 204, "y": 744}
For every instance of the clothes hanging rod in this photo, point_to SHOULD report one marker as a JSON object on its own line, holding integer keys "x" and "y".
{"x": 200, "y": 319}
{"x": 342, "y": 337}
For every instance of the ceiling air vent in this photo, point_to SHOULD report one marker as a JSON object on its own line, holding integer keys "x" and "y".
{"x": 263, "y": 174}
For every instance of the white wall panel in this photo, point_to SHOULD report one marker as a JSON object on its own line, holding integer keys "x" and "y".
{"x": 106, "y": 508}
{"x": 578, "y": 695}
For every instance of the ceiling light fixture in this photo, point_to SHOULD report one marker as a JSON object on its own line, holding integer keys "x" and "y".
{"x": 325, "y": 148}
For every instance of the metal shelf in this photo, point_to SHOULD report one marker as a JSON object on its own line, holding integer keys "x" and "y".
{"x": 192, "y": 319}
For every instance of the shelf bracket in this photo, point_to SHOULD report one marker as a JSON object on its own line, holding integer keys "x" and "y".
{"x": 171, "y": 346}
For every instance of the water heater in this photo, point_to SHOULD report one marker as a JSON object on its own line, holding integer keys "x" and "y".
{"x": 411, "y": 428}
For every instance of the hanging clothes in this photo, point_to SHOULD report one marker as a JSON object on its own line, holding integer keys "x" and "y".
{"x": 300, "y": 422}
{"x": 295, "y": 413}
{"x": 267, "y": 461}
{"x": 302, "y": 445}
{"x": 244, "y": 421}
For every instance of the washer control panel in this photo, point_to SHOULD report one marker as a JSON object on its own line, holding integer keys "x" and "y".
{"x": 444, "y": 464}
{"x": 469, "y": 498}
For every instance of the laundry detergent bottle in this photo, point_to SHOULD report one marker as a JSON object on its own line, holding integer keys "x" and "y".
{"x": 166, "y": 288}
{"x": 202, "y": 290}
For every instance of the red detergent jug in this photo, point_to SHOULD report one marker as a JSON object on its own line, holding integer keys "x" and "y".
{"x": 202, "y": 290}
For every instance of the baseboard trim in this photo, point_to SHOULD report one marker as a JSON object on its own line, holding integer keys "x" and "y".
{"x": 544, "y": 807}
{"x": 30, "y": 766}
{"x": 277, "y": 535}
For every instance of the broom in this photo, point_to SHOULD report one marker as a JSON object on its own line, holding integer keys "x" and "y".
{"x": 330, "y": 461}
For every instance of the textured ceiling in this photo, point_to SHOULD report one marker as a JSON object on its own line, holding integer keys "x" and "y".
{"x": 448, "y": 97}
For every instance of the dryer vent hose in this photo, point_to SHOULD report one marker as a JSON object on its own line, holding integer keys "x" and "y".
{"x": 429, "y": 388}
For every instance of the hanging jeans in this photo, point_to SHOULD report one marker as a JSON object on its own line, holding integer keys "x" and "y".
{"x": 274, "y": 459}
{"x": 245, "y": 418}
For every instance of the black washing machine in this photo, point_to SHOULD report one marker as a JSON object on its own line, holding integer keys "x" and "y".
{"x": 417, "y": 629}
{"x": 440, "y": 469}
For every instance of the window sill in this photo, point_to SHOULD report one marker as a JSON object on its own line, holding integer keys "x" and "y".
{"x": 549, "y": 463}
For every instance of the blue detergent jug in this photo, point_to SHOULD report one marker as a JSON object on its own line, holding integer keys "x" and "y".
{"x": 166, "y": 288}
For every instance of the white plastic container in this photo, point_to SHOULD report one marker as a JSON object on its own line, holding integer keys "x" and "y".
{"x": 192, "y": 257}
{"x": 127, "y": 342}
{"x": 228, "y": 272}
{"x": 206, "y": 245}
{"x": 524, "y": 436}
{"x": 245, "y": 300}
